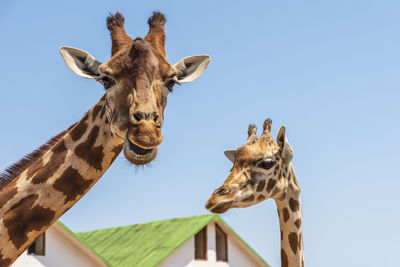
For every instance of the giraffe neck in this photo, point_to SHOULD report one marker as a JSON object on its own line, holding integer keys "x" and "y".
{"x": 290, "y": 222}
{"x": 51, "y": 185}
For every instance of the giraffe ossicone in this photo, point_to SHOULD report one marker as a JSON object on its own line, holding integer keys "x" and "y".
{"x": 262, "y": 169}
{"x": 37, "y": 190}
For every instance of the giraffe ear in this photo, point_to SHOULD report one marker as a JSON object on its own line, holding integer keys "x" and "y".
{"x": 230, "y": 154}
{"x": 191, "y": 68}
{"x": 80, "y": 62}
{"x": 287, "y": 151}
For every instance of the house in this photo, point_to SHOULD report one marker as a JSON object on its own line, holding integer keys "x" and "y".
{"x": 58, "y": 246}
{"x": 204, "y": 240}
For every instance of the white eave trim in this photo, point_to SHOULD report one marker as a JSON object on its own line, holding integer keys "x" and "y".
{"x": 78, "y": 244}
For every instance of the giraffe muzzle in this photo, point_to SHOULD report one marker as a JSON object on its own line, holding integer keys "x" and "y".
{"x": 138, "y": 155}
{"x": 219, "y": 208}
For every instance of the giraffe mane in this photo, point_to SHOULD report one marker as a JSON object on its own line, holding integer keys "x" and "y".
{"x": 12, "y": 171}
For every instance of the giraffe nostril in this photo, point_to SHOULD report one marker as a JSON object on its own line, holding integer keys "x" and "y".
{"x": 155, "y": 117}
{"x": 136, "y": 117}
{"x": 221, "y": 191}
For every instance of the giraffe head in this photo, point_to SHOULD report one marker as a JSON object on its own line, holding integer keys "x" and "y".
{"x": 137, "y": 79}
{"x": 262, "y": 169}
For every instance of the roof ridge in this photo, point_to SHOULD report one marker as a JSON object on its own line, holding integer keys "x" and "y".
{"x": 151, "y": 222}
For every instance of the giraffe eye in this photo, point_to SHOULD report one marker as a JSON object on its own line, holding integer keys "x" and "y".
{"x": 266, "y": 164}
{"x": 170, "y": 84}
{"x": 106, "y": 81}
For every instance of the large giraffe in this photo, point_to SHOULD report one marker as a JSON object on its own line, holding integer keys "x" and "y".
{"x": 137, "y": 78}
{"x": 262, "y": 169}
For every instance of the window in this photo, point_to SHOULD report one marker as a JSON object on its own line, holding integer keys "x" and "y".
{"x": 200, "y": 244}
{"x": 221, "y": 244}
{"x": 38, "y": 246}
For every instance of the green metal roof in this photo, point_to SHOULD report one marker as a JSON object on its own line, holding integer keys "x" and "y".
{"x": 146, "y": 244}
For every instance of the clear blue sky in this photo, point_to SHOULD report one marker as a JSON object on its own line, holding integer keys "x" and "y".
{"x": 327, "y": 70}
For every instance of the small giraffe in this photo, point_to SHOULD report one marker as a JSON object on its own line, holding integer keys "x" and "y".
{"x": 137, "y": 79}
{"x": 262, "y": 169}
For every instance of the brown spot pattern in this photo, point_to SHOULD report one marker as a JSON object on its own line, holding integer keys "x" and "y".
{"x": 300, "y": 241}
{"x": 43, "y": 173}
{"x": 270, "y": 185}
{"x": 34, "y": 168}
{"x": 294, "y": 205}
{"x": 22, "y": 218}
{"x": 59, "y": 148}
{"x": 103, "y": 111}
{"x": 93, "y": 155}
{"x": 260, "y": 186}
{"x": 294, "y": 242}
{"x": 72, "y": 184}
{"x": 124, "y": 127}
{"x": 116, "y": 150}
{"x": 96, "y": 111}
{"x": 261, "y": 198}
{"x": 249, "y": 199}
{"x": 286, "y": 215}
{"x": 298, "y": 223}
{"x": 275, "y": 192}
{"x": 251, "y": 182}
{"x": 6, "y": 194}
{"x": 79, "y": 130}
{"x": 281, "y": 235}
{"x": 284, "y": 258}
{"x": 4, "y": 261}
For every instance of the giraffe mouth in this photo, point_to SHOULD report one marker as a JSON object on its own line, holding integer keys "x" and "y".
{"x": 138, "y": 155}
{"x": 221, "y": 208}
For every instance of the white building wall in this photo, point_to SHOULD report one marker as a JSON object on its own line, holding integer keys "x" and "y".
{"x": 183, "y": 256}
{"x": 239, "y": 255}
{"x": 27, "y": 260}
{"x": 61, "y": 250}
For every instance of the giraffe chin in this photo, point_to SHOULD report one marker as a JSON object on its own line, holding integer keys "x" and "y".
{"x": 219, "y": 211}
{"x": 221, "y": 208}
{"x": 138, "y": 155}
